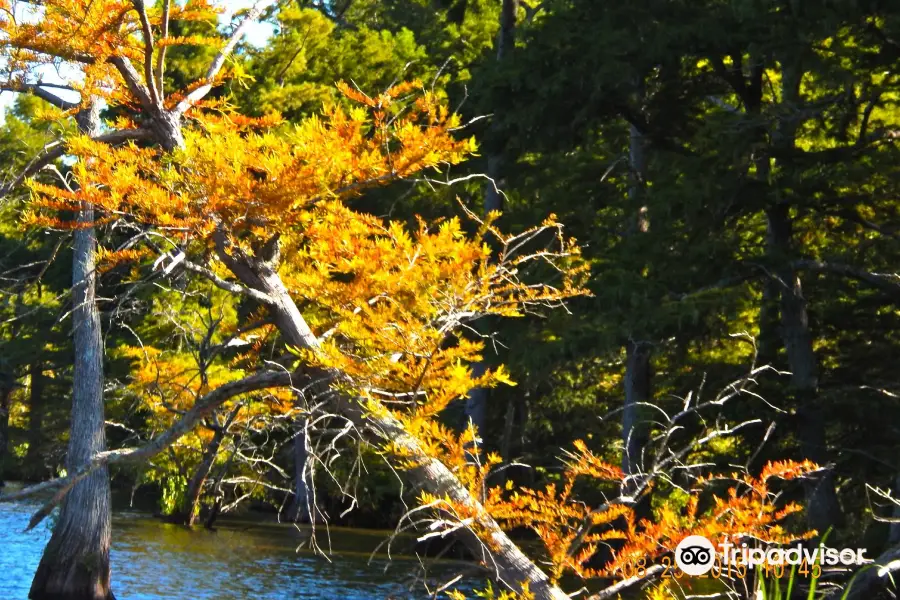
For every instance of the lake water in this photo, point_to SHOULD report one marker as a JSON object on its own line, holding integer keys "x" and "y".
{"x": 152, "y": 560}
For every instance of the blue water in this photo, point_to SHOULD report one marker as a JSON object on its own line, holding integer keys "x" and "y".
{"x": 152, "y": 560}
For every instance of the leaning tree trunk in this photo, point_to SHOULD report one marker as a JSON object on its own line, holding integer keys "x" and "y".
{"x": 75, "y": 563}
{"x": 190, "y": 506}
{"x": 504, "y": 558}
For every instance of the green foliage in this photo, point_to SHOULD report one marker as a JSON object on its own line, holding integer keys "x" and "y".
{"x": 296, "y": 72}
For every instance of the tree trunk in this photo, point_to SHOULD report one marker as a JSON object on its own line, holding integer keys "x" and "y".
{"x": 75, "y": 563}
{"x": 822, "y": 507}
{"x": 299, "y": 511}
{"x": 34, "y": 456}
{"x": 503, "y": 556}
{"x": 476, "y": 408}
{"x": 5, "y": 396}
{"x": 506, "y": 40}
{"x": 638, "y": 370}
{"x": 190, "y": 507}
{"x": 768, "y": 342}
{"x": 476, "y": 402}
{"x": 509, "y": 425}
{"x": 894, "y": 535}
{"x": 638, "y": 377}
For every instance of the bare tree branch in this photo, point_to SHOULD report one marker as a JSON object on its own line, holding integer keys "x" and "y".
{"x": 887, "y": 282}
{"x": 161, "y": 54}
{"x": 198, "y": 94}
{"x": 38, "y": 90}
{"x": 148, "y": 51}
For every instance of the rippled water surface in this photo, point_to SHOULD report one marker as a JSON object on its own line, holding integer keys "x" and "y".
{"x": 154, "y": 560}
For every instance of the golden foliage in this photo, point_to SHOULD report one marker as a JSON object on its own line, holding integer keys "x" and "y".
{"x": 572, "y": 532}
{"x": 88, "y": 35}
{"x": 259, "y": 182}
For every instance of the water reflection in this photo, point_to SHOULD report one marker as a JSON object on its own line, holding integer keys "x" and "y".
{"x": 153, "y": 560}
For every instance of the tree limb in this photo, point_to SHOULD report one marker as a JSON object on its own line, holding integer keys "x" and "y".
{"x": 57, "y": 149}
{"x": 889, "y": 283}
{"x": 37, "y": 90}
{"x": 198, "y": 94}
{"x": 149, "y": 79}
{"x": 201, "y": 409}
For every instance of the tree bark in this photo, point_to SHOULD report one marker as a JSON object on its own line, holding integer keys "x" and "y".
{"x": 638, "y": 369}
{"x": 510, "y": 564}
{"x": 5, "y": 396}
{"x": 33, "y": 457}
{"x": 476, "y": 402}
{"x": 75, "y": 563}
{"x": 190, "y": 507}
{"x": 299, "y": 511}
{"x": 638, "y": 379}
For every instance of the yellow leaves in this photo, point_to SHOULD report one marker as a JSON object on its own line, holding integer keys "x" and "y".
{"x": 384, "y": 100}
{"x": 87, "y": 36}
{"x": 787, "y": 469}
{"x": 188, "y": 40}
{"x": 259, "y": 182}
{"x": 108, "y": 259}
{"x": 583, "y": 462}
{"x": 500, "y": 375}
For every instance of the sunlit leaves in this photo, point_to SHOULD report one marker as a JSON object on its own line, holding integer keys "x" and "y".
{"x": 87, "y": 36}
{"x": 267, "y": 181}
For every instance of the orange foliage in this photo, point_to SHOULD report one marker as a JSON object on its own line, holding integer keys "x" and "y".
{"x": 258, "y": 183}
{"x": 87, "y": 35}
{"x": 566, "y": 526}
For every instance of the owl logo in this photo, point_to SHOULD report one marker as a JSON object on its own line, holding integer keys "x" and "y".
{"x": 695, "y": 555}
